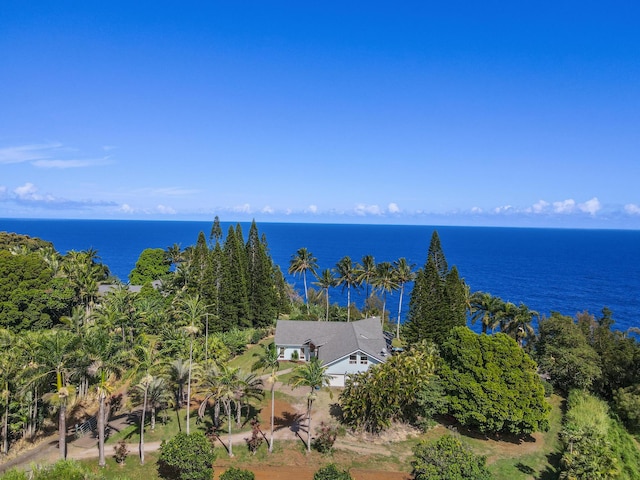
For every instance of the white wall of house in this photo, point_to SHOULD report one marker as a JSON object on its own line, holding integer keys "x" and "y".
{"x": 356, "y": 362}
{"x": 286, "y": 352}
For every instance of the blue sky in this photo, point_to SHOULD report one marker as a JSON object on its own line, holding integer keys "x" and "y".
{"x": 448, "y": 113}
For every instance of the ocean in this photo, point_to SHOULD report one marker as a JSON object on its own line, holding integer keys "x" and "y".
{"x": 562, "y": 270}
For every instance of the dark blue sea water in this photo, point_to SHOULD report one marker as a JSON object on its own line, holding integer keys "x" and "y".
{"x": 561, "y": 270}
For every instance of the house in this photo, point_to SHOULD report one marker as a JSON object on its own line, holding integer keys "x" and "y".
{"x": 343, "y": 347}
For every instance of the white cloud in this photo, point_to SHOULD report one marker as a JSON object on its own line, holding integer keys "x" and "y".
{"x": 312, "y": 209}
{"x": 393, "y": 208}
{"x": 503, "y": 209}
{"x": 165, "y": 210}
{"x": 476, "y": 210}
{"x": 63, "y": 163}
{"x": 539, "y": 207}
{"x": 566, "y": 206}
{"x": 125, "y": 208}
{"x": 246, "y": 208}
{"x": 27, "y": 153}
{"x": 632, "y": 209}
{"x": 590, "y": 206}
{"x": 267, "y": 209}
{"x": 362, "y": 209}
{"x": 28, "y": 191}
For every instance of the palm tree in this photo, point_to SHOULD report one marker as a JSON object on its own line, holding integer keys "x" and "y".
{"x": 506, "y": 314}
{"x": 404, "y": 274}
{"x": 248, "y": 387}
{"x": 347, "y": 277}
{"x": 227, "y": 393}
{"x": 9, "y": 369}
{"x": 519, "y": 327}
{"x": 366, "y": 273}
{"x": 146, "y": 362}
{"x": 158, "y": 396}
{"x": 326, "y": 280}
{"x": 300, "y": 263}
{"x": 179, "y": 375}
{"x": 385, "y": 280}
{"x": 211, "y": 387}
{"x": 107, "y": 363}
{"x": 193, "y": 309}
{"x": 313, "y": 375}
{"x": 486, "y": 308}
{"x": 267, "y": 360}
{"x": 173, "y": 254}
{"x": 56, "y": 354}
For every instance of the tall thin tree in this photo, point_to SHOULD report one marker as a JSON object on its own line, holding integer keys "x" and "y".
{"x": 301, "y": 263}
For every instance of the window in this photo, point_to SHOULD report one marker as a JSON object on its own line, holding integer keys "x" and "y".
{"x": 281, "y": 352}
{"x": 302, "y": 355}
{"x": 353, "y": 359}
{"x": 364, "y": 360}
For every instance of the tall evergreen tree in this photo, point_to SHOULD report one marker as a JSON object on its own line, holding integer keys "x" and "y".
{"x": 216, "y": 231}
{"x": 262, "y": 299}
{"x": 234, "y": 300}
{"x": 437, "y": 302}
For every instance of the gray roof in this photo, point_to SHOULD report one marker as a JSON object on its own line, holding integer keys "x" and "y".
{"x": 335, "y": 339}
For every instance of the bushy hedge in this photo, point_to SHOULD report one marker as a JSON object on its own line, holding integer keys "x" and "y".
{"x": 61, "y": 470}
{"x": 186, "y": 457}
{"x": 332, "y": 472}
{"x": 234, "y": 473}
{"x": 446, "y": 459}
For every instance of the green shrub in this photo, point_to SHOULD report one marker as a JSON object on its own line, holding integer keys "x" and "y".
{"x": 234, "y": 473}
{"x": 14, "y": 474}
{"x": 447, "y": 458}
{"x": 331, "y": 472}
{"x": 61, "y": 470}
{"x": 186, "y": 457}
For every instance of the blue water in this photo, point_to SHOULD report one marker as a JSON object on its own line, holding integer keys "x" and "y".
{"x": 561, "y": 270}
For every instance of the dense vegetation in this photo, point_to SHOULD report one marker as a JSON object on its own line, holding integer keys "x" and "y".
{"x": 69, "y": 332}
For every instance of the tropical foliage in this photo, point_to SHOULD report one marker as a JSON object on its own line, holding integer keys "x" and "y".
{"x": 491, "y": 384}
{"x": 388, "y": 392}
{"x": 186, "y": 457}
{"x": 447, "y": 459}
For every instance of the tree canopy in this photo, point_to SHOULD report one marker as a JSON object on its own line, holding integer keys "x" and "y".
{"x": 492, "y": 384}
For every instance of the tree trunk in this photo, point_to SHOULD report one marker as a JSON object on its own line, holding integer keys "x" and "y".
{"x": 153, "y": 418}
{"x": 399, "y": 312}
{"x": 62, "y": 431}
{"x": 216, "y": 414}
{"x": 348, "y": 303}
{"x": 306, "y": 294}
{"x": 229, "y": 417}
{"x": 327, "y": 314}
{"x": 5, "y": 427}
{"x": 189, "y": 383}
{"x": 142, "y": 420}
{"x": 273, "y": 384}
{"x": 101, "y": 428}
{"x": 309, "y": 427}
{"x": 34, "y": 414}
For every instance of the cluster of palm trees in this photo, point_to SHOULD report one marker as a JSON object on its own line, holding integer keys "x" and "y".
{"x": 383, "y": 277}
{"x": 492, "y": 312}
